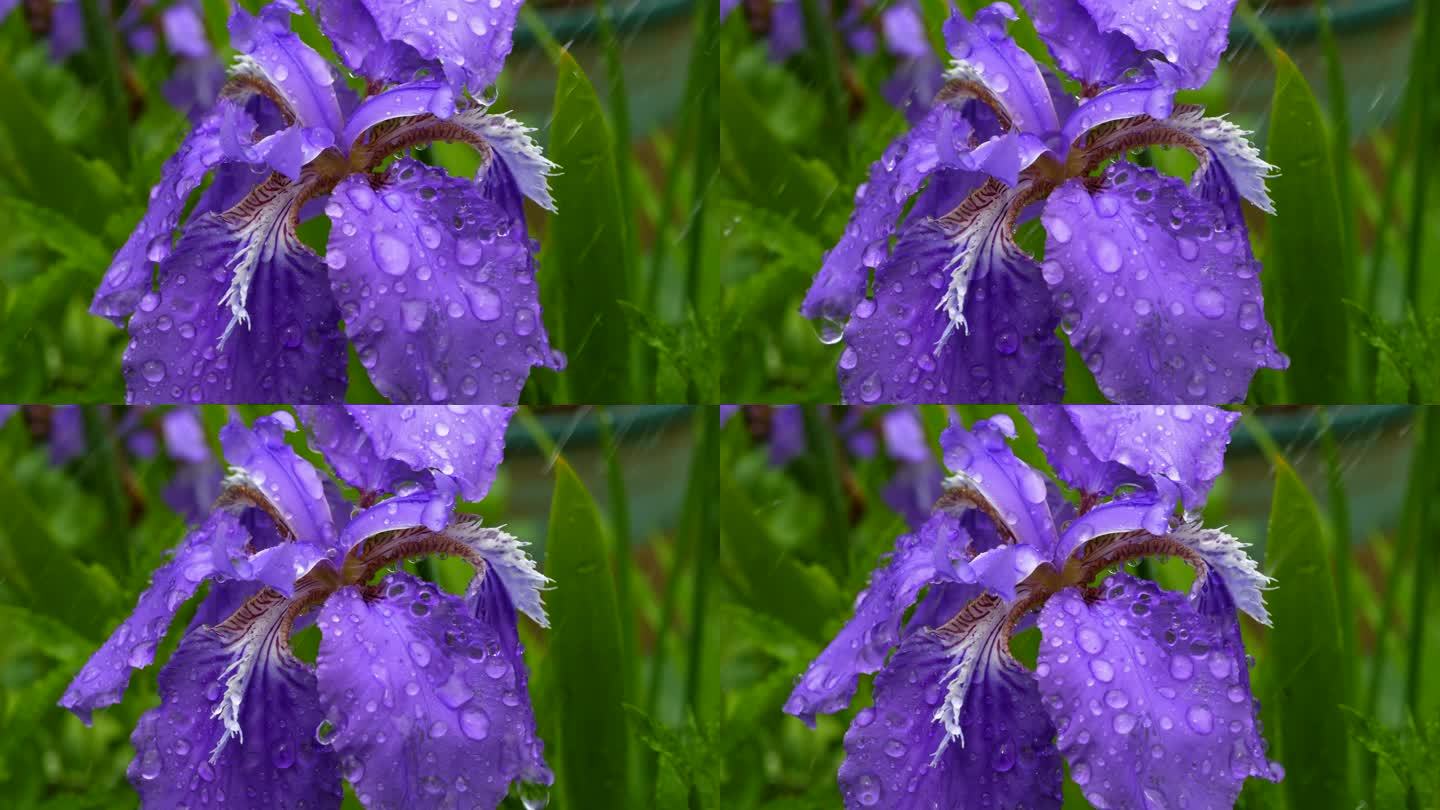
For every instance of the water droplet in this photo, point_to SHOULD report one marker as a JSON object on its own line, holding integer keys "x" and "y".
{"x": 475, "y": 723}
{"x": 484, "y": 301}
{"x": 1210, "y": 302}
{"x": 1089, "y": 640}
{"x": 390, "y": 253}
{"x": 1105, "y": 253}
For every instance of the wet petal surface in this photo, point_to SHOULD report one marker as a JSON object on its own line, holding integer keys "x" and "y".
{"x": 437, "y": 287}
{"x": 277, "y": 763}
{"x": 427, "y": 708}
{"x": 1156, "y": 292}
{"x": 1147, "y": 698}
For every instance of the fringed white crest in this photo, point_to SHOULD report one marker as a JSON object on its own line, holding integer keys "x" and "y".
{"x": 1230, "y": 145}
{"x": 253, "y": 630}
{"x": 1227, "y": 555}
{"x": 971, "y": 638}
{"x": 511, "y": 142}
{"x": 976, "y": 229}
{"x": 506, "y": 557}
{"x": 263, "y": 226}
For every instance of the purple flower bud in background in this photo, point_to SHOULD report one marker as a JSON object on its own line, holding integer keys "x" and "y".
{"x": 1145, "y": 692}
{"x": 433, "y": 275}
{"x": 418, "y": 698}
{"x": 1150, "y": 277}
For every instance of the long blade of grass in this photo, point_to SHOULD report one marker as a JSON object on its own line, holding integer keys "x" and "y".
{"x": 1302, "y": 712}
{"x": 584, "y": 646}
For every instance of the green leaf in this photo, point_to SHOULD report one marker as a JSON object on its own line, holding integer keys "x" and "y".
{"x": 1306, "y": 279}
{"x": 585, "y": 644}
{"x": 1302, "y": 708}
{"x": 81, "y": 190}
{"x": 772, "y": 175}
{"x": 585, "y": 267}
{"x": 49, "y": 580}
{"x": 687, "y": 755}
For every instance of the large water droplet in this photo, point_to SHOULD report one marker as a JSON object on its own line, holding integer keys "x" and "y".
{"x": 475, "y": 723}
{"x": 390, "y": 253}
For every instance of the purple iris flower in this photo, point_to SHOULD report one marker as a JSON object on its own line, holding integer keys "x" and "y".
{"x": 418, "y": 698}
{"x": 1145, "y": 692}
{"x": 1150, "y": 277}
{"x": 433, "y": 275}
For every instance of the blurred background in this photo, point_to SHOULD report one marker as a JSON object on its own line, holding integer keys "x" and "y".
{"x": 813, "y": 91}
{"x": 100, "y": 92}
{"x": 813, "y": 497}
{"x": 95, "y": 498}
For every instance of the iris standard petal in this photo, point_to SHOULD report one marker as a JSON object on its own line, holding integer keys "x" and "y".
{"x": 427, "y": 710}
{"x": 1156, "y": 294}
{"x": 290, "y": 488}
{"x": 204, "y": 553}
{"x": 273, "y": 761}
{"x": 466, "y": 442}
{"x": 1152, "y": 96}
{"x": 302, "y": 76}
{"x": 986, "y": 476}
{"x": 1146, "y": 698}
{"x": 1190, "y": 34}
{"x": 465, "y": 42}
{"x": 1096, "y": 449}
{"x": 960, "y": 314}
{"x": 277, "y": 341}
{"x": 933, "y": 554}
{"x": 130, "y": 274}
{"x": 989, "y": 56}
{"x": 1093, "y": 58}
{"x": 1006, "y": 760}
{"x": 437, "y": 286}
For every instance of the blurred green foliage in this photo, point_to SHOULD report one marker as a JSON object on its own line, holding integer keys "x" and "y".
{"x": 625, "y": 260}
{"x": 80, "y": 540}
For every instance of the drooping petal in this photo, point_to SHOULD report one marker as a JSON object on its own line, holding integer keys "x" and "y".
{"x": 131, "y": 271}
{"x": 1147, "y": 698}
{"x": 987, "y": 476}
{"x": 990, "y": 56}
{"x": 930, "y": 146}
{"x": 288, "y": 486}
{"x": 1191, "y": 34}
{"x": 302, "y": 76}
{"x": 207, "y": 551}
{"x": 466, "y": 43}
{"x": 488, "y": 599}
{"x": 437, "y": 286}
{"x": 240, "y": 679}
{"x": 276, "y": 341}
{"x": 999, "y": 754}
{"x": 1098, "y": 448}
{"x": 933, "y": 554}
{"x": 1093, "y": 58}
{"x": 960, "y": 314}
{"x": 413, "y": 676}
{"x": 1157, "y": 296}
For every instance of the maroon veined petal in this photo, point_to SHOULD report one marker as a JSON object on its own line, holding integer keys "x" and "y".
{"x": 933, "y": 554}
{"x": 988, "y": 477}
{"x": 986, "y": 54}
{"x": 1099, "y": 448}
{"x": 1093, "y": 58}
{"x": 243, "y": 314}
{"x": 1156, "y": 292}
{"x": 263, "y": 464}
{"x": 238, "y": 678}
{"x": 959, "y": 314}
{"x": 906, "y": 752}
{"x": 1147, "y": 697}
{"x": 437, "y": 287}
{"x": 302, "y": 76}
{"x": 204, "y": 553}
{"x": 131, "y": 272}
{"x": 413, "y": 676}
{"x": 1152, "y": 96}
{"x": 1190, "y": 34}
